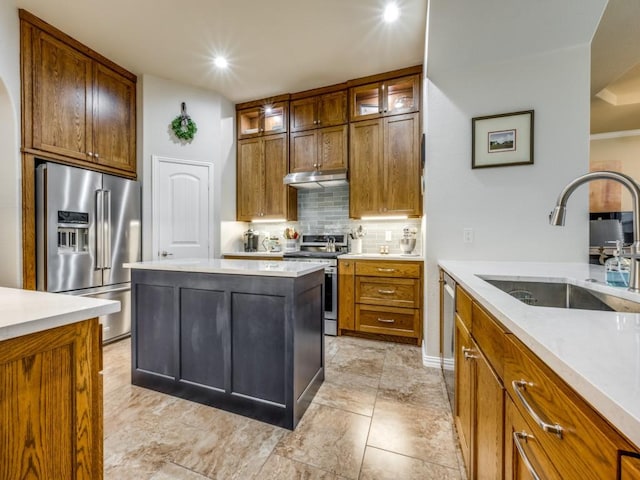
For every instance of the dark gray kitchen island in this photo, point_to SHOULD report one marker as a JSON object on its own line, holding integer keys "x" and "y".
{"x": 243, "y": 336}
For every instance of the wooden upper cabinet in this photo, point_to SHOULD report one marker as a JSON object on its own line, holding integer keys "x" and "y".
{"x": 265, "y": 119}
{"x": 386, "y": 97}
{"x": 323, "y": 149}
{"x": 385, "y": 167}
{"x": 62, "y": 98}
{"x": 262, "y": 164}
{"x": 78, "y": 107}
{"x": 319, "y": 111}
{"x": 114, "y": 119}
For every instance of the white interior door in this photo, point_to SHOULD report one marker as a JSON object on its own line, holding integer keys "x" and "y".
{"x": 182, "y": 208}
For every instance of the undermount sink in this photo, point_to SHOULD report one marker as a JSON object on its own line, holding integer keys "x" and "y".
{"x": 563, "y": 295}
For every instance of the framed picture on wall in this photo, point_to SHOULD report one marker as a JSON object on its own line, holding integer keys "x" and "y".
{"x": 502, "y": 140}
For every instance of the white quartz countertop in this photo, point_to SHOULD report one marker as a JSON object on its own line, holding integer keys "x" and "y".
{"x": 275, "y": 255}
{"x": 383, "y": 256}
{"x": 596, "y": 352}
{"x": 26, "y": 311}
{"x": 266, "y": 268}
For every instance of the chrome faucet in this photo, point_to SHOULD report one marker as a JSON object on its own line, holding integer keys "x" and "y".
{"x": 556, "y": 217}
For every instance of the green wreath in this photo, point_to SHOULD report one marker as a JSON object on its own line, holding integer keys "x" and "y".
{"x": 183, "y": 127}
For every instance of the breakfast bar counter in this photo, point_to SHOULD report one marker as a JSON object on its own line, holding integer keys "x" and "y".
{"x": 241, "y": 335}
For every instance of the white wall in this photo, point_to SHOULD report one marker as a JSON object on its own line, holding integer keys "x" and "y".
{"x": 159, "y": 104}
{"x": 506, "y": 207}
{"x": 10, "y": 160}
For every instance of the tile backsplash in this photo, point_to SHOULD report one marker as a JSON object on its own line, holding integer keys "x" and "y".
{"x": 327, "y": 211}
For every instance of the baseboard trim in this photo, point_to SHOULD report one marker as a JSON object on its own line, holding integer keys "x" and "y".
{"x": 429, "y": 360}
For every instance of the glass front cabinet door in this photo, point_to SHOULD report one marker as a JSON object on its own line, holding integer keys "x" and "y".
{"x": 264, "y": 120}
{"x": 389, "y": 97}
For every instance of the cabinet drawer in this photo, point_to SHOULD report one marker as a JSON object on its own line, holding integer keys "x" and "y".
{"x": 583, "y": 450}
{"x": 490, "y": 338}
{"x": 397, "y": 292}
{"x": 388, "y": 269}
{"x": 388, "y": 320}
{"x": 463, "y": 307}
{"x": 522, "y": 449}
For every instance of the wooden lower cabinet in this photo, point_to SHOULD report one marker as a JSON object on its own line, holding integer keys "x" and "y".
{"x": 380, "y": 298}
{"x": 463, "y": 413}
{"x": 524, "y": 455}
{"x": 51, "y": 404}
{"x": 499, "y": 428}
{"x": 479, "y": 408}
{"x": 630, "y": 466}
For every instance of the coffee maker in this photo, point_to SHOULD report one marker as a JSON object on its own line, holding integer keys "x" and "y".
{"x": 251, "y": 240}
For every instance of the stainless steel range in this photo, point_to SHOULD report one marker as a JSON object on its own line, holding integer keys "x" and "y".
{"x": 324, "y": 249}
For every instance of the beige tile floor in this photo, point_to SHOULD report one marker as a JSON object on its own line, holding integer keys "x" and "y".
{"x": 380, "y": 414}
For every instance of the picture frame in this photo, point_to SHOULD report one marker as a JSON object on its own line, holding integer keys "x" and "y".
{"x": 368, "y": 109}
{"x": 502, "y": 140}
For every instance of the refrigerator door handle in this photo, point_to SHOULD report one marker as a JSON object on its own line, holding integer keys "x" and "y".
{"x": 99, "y": 229}
{"x": 107, "y": 230}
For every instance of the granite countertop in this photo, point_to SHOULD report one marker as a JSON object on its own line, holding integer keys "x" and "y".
{"x": 231, "y": 267}
{"x": 26, "y": 311}
{"x": 596, "y": 352}
{"x": 383, "y": 256}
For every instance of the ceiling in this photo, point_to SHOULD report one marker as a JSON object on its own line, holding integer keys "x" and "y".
{"x": 274, "y": 47}
{"x": 615, "y": 69}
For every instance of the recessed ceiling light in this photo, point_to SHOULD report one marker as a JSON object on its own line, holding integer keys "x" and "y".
{"x": 220, "y": 62}
{"x": 391, "y": 13}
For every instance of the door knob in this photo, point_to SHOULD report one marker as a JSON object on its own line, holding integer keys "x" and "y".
{"x": 164, "y": 253}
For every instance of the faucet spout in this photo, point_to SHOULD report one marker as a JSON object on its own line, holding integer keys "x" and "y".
{"x": 558, "y": 214}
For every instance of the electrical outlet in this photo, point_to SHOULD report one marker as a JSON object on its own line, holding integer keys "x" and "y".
{"x": 387, "y": 236}
{"x": 467, "y": 235}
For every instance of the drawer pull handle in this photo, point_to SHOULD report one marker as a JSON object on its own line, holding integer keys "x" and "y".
{"x": 517, "y": 437}
{"x": 386, "y": 269}
{"x": 387, "y": 292}
{"x": 468, "y": 353}
{"x": 519, "y": 387}
{"x": 386, "y": 320}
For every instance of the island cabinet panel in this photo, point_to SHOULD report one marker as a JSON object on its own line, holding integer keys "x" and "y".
{"x": 202, "y": 337}
{"x": 155, "y": 350}
{"x": 249, "y": 344}
{"x": 51, "y": 404}
{"x": 258, "y": 347}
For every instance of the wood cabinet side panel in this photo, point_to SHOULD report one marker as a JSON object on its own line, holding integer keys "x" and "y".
{"x": 51, "y": 404}
{"x": 346, "y": 295}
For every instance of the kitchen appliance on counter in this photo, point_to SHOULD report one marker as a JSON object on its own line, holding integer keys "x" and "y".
{"x": 87, "y": 226}
{"x": 325, "y": 249}
{"x": 251, "y": 240}
{"x": 408, "y": 240}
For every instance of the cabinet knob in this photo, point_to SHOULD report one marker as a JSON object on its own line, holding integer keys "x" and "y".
{"x": 90, "y": 154}
{"x": 96, "y": 155}
{"x": 315, "y": 122}
{"x": 318, "y": 122}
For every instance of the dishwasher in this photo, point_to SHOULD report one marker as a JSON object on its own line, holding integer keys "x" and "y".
{"x": 447, "y": 325}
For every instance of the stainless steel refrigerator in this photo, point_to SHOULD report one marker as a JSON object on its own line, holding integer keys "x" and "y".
{"x": 87, "y": 226}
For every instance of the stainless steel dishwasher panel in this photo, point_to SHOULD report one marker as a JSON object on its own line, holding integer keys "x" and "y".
{"x": 447, "y": 326}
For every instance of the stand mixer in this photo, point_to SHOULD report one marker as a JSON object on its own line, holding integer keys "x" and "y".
{"x": 408, "y": 240}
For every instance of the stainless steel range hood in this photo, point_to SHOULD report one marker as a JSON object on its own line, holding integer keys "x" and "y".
{"x": 311, "y": 180}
